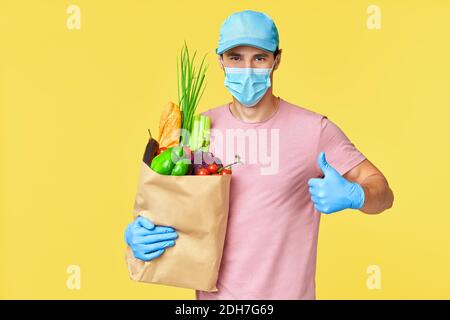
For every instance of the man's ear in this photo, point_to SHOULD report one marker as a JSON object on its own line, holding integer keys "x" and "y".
{"x": 279, "y": 60}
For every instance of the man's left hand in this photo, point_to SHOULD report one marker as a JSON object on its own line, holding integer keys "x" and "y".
{"x": 333, "y": 192}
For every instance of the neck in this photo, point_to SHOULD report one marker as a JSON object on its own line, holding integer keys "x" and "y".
{"x": 263, "y": 110}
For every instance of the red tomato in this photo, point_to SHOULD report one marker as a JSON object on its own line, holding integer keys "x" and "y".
{"x": 225, "y": 171}
{"x": 202, "y": 172}
{"x": 212, "y": 168}
{"x": 161, "y": 150}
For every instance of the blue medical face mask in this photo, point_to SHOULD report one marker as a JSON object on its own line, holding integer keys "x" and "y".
{"x": 248, "y": 85}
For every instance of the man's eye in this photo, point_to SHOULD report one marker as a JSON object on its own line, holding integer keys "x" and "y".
{"x": 260, "y": 59}
{"x": 234, "y": 58}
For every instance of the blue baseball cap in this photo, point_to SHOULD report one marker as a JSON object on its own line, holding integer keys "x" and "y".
{"x": 248, "y": 28}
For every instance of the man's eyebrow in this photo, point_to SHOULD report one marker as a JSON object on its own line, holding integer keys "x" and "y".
{"x": 237, "y": 54}
{"x": 233, "y": 53}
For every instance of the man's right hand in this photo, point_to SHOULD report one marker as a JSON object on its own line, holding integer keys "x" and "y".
{"x": 148, "y": 241}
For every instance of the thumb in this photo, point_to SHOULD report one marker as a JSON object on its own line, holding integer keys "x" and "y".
{"x": 322, "y": 163}
{"x": 326, "y": 168}
{"x": 146, "y": 223}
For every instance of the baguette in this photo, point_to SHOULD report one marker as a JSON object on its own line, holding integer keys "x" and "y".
{"x": 169, "y": 126}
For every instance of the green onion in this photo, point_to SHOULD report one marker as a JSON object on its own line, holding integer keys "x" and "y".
{"x": 193, "y": 141}
{"x": 200, "y": 133}
{"x": 205, "y": 134}
{"x": 191, "y": 85}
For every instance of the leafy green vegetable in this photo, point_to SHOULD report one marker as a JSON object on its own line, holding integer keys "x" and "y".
{"x": 206, "y": 126}
{"x": 191, "y": 85}
{"x": 199, "y": 139}
{"x": 193, "y": 142}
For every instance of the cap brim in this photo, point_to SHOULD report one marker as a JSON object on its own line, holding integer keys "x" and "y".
{"x": 253, "y": 42}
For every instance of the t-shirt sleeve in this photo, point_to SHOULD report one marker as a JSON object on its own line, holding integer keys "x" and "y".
{"x": 340, "y": 152}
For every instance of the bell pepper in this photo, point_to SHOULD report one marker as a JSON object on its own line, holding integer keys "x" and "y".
{"x": 163, "y": 163}
{"x": 171, "y": 162}
{"x": 181, "y": 168}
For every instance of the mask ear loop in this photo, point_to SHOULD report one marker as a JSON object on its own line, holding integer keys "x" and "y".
{"x": 223, "y": 67}
{"x": 274, "y": 63}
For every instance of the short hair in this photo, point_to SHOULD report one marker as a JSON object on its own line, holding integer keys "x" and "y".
{"x": 276, "y": 52}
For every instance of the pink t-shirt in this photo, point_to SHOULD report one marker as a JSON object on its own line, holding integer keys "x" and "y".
{"x": 271, "y": 241}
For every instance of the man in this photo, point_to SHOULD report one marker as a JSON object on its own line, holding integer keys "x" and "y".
{"x": 275, "y": 204}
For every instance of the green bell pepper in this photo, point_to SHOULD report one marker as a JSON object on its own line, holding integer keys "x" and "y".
{"x": 163, "y": 163}
{"x": 180, "y": 168}
{"x": 171, "y": 162}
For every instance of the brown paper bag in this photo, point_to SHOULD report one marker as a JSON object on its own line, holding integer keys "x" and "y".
{"x": 197, "y": 208}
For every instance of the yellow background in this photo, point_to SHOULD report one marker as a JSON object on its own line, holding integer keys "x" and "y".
{"x": 76, "y": 105}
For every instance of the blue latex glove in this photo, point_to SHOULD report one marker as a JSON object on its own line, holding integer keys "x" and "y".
{"x": 148, "y": 241}
{"x": 333, "y": 192}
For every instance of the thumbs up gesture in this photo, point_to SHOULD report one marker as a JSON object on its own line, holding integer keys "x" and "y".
{"x": 333, "y": 192}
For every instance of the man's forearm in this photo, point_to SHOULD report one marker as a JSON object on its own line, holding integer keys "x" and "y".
{"x": 378, "y": 195}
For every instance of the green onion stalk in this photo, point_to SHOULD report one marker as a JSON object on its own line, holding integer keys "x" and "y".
{"x": 200, "y": 137}
{"x": 191, "y": 85}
